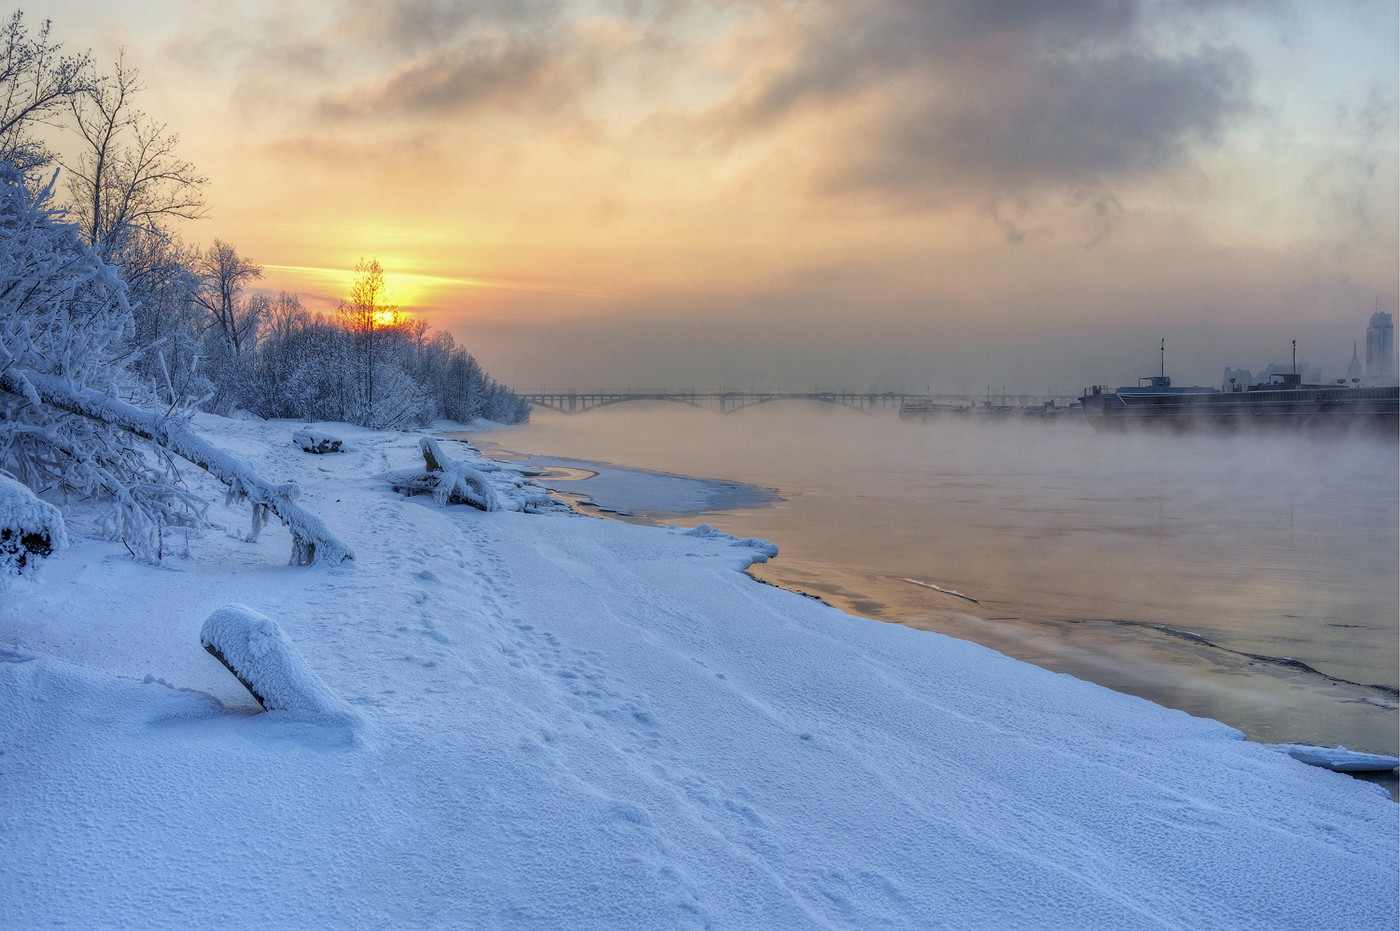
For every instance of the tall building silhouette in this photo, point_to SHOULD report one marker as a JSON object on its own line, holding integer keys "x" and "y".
{"x": 1380, "y": 349}
{"x": 1354, "y": 370}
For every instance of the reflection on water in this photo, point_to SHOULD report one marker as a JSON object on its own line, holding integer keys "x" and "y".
{"x": 1247, "y": 578}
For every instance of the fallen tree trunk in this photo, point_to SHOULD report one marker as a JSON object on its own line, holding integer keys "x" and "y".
{"x": 312, "y": 541}
{"x": 449, "y": 482}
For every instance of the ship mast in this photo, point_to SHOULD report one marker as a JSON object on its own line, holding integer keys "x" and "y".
{"x": 1163, "y": 371}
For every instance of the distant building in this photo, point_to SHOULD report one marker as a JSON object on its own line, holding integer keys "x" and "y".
{"x": 1354, "y": 370}
{"x": 1236, "y": 379}
{"x": 1380, "y": 350}
{"x": 1309, "y": 374}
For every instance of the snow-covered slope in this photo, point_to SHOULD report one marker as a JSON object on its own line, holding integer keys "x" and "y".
{"x": 567, "y": 722}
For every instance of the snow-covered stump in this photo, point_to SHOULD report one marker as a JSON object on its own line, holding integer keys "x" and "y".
{"x": 30, "y": 529}
{"x": 253, "y": 647}
{"x": 449, "y": 482}
{"x": 316, "y": 441}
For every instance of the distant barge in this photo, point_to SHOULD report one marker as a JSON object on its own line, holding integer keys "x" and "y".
{"x": 1283, "y": 402}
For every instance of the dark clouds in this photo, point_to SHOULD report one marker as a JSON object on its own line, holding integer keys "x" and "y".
{"x": 440, "y": 58}
{"x": 487, "y": 70}
{"x": 921, "y": 102}
{"x": 1055, "y": 123}
{"x": 961, "y": 98}
{"x": 417, "y": 24}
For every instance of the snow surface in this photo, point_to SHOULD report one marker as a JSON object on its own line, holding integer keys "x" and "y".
{"x": 569, "y": 722}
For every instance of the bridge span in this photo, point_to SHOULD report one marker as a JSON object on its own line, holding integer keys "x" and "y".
{"x": 578, "y": 402}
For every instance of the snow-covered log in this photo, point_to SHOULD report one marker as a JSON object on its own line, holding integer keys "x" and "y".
{"x": 260, "y": 656}
{"x": 316, "y": 441}
{"x": 447, "y": 481}
{"x": 30, "y": 529}
{"x": 312, "y": 541}
{"x": 483, "y": 484}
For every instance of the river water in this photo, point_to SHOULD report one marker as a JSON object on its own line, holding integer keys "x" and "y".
{"x": 1248, "y": 578}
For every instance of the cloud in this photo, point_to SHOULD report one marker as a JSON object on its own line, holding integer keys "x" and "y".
{"x": 1053, "y": 123}
{"x": 424, "y": 24}
{"x": 394, "y": 58}
{"x": 1357, "y": 183}
{"x": 500, "y": 69}
{"x": 416, "y": 24}
{"x": 965, "y": 99}
{"x": 456, "y": 58}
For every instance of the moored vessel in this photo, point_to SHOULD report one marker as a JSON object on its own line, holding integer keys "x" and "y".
{"x": 1280, "y": 403}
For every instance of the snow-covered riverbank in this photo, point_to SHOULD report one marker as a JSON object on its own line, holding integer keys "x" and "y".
{"x": 573, "y": 722}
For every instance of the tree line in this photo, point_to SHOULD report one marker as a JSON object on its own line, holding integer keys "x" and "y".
{"x": 198, "y": 334}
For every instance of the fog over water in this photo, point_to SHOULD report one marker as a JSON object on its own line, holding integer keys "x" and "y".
{"x": 1250, "y": 578}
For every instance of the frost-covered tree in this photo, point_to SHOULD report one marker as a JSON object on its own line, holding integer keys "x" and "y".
{"x": 364, "y": 315}
{"x": 223, "y": 274}
{"x": 231, "y": 321}
{"x": 37, "y": 86}
{"x": 159, "y": 272}
{"x": 64, "y": 315}
{"x": 67, "y": 427}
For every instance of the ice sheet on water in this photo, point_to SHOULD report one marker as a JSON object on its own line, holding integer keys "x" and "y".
{"x": 625, "y": 490}
{"x": 1338, "y": 759}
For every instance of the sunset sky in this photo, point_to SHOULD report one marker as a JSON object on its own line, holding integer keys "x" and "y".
{"x": 819, "y": 194}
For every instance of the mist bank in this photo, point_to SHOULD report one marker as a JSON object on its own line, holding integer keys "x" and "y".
{"x": 1059, "y": 318}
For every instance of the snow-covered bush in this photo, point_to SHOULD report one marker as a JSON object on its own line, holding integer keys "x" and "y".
{"x": 30, "y": 529}
{"x": 316, "y": 441}
{"x": 64, "y": 315}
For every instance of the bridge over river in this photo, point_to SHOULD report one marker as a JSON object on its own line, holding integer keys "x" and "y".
{"x": 577, "y": 402}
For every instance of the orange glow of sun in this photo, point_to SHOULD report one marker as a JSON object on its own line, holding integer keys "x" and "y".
{"x": 385, "y": 318}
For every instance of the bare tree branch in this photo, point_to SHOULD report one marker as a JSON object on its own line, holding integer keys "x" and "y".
{"x": 37, "y": 85}
{"x": 127, "y": 180}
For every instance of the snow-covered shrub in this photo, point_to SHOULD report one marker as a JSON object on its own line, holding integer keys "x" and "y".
{"x": 64, "y": 314}
{"x": 30, "y": 529}
{"x": 397, "y": 402}
{"x": 316, "y": 441}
